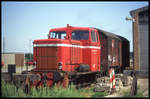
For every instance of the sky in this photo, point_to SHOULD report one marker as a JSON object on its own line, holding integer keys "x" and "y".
{"x": 23, "y": 22}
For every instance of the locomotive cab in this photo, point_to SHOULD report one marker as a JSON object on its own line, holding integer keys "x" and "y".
{"x": 68, "y": 48}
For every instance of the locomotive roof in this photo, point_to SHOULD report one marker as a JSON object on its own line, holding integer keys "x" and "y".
{"x": 107, "y": 34}
{"x": 73, "y": 28}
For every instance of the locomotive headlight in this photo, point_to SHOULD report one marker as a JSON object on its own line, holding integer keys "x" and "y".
{"x": 60, "y": 65}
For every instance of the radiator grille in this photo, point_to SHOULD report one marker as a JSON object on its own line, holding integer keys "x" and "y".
{"x": 47, "y": 58}
{"x": 75, "y": 54}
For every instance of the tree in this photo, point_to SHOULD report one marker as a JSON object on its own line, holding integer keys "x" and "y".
{"x": 28, "y": 56}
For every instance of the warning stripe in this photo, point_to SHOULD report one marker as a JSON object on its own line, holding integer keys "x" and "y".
{"x": 112, "y": 78}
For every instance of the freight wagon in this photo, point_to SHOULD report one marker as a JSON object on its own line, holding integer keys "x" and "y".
{"x": 115, "y": 51}
{"x": 75, "y": 54}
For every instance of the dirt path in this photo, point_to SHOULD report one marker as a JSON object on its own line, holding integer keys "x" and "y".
{"x": 119, "y": 93}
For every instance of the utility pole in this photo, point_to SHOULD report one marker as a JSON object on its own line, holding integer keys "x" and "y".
{"x": 3, "y": 44}
{"x": 29, "y": 55}
{"x": 132, "y": 20}
{"x": 30, "y": 49}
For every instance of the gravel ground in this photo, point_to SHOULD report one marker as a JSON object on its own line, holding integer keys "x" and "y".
{"x": 143, "y": 86}
{"x": 120, "y": 93}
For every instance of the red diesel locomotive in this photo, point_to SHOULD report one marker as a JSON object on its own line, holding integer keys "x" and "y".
{"x": 75, "y": 54}
{"x": 80, "y": 53}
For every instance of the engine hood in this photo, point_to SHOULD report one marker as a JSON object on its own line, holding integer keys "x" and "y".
{"x": 47, "y": 41}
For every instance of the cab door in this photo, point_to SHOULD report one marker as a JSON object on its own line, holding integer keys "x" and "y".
{"x": 95, "y": 51}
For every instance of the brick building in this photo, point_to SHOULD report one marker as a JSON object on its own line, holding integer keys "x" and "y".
{"x": 140, "y": 37}
{"x": 13, "y": 58}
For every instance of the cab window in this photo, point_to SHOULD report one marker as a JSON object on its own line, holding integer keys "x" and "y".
{"x": 58, "y": 34}
{"x": 80, "y": 35}
{"x": 97, "y": 36}
{"x": 93, "y": 36}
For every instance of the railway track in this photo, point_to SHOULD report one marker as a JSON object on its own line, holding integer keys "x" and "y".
{"x": 100, "y": 82}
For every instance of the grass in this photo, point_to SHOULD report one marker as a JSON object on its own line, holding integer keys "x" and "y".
{"x": 99, "y": 94}
{"x": 56, "y": 92}
{"x": 127, "y": 93}
{"x": 9, "y": 90}
{"x": 88, "y": 92}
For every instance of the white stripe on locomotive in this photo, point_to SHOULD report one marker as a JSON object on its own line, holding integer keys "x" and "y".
{"x": 65, "y": 45}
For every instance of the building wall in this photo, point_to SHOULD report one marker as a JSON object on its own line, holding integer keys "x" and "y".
{"x": 8, "y": 59}
{"x": 136, "y": 42}
{"x": 19, "y": 59}
{"x": 13, "y": 58}
{"x": 140, "y": 40}
{"x": 143, "y": 39}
